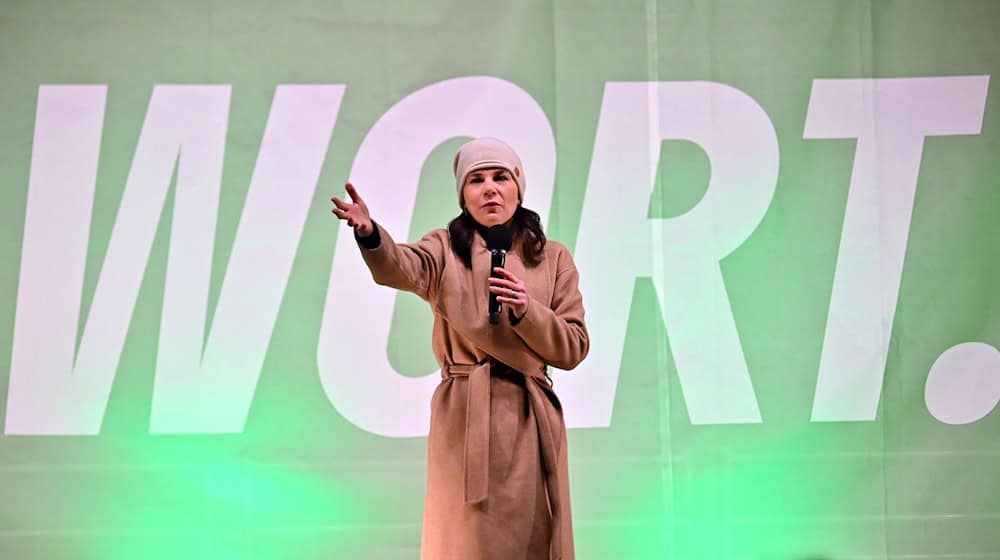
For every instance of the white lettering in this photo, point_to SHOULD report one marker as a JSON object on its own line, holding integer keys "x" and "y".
{"x": 890, "y": 118}
{"x": 617, "y": 243}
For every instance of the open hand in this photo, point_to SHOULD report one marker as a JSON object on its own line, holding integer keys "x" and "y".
{"x": 355, "y": 212}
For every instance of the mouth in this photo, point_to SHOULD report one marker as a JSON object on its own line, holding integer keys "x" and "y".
{"x": 491, "y": 205}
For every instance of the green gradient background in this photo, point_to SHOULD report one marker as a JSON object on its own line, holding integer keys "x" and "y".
{"x": 303, "y": 482}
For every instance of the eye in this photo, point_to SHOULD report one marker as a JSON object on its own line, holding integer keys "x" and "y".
{"x": 475, "y": 179}
{"x": 501, "y": 177}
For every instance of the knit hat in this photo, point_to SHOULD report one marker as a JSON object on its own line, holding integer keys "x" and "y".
{"x": 483, "y": 153}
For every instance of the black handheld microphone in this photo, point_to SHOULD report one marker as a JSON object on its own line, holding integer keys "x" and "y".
{"x": 498, "y": 241}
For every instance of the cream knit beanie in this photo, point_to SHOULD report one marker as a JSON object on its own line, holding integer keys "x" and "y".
{"x": 483, "y": 153}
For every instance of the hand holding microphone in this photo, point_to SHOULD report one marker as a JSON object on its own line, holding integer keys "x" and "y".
{"x": 511, "y": 290}
{"x": 505, "y": 286}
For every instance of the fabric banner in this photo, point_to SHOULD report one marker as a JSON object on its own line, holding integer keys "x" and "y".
{"x": 785, "y": 215}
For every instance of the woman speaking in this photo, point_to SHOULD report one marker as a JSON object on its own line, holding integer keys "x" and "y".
{"x": 506, "y": 306}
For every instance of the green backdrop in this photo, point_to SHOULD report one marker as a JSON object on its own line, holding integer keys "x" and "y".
{"x": 794, "y": 330}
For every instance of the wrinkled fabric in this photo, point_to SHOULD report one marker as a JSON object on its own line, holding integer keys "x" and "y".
{"x": 497, "y": 473}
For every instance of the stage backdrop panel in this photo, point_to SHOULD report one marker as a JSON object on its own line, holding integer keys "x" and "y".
{"x": 785, "y": 214}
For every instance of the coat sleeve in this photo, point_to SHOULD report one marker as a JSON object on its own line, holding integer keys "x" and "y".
{"x": 413, "y": 267}
{"x": 557, "y": 333}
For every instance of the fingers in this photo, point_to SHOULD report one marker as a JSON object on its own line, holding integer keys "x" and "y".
{"x": 344, "y": 215}
{"x": 355, "y": 198}
{"x": 508, "y": 275}
{"x": 504, "y": 287}
{"x": 508, "y": 295}
{"x": 340, "y": 203}
{"x": 505, "y": 283}
{"x": 353, "y": 193}
{"x": 503, "y": 291}
{"x": 510, "y": 291}
{"x": 505, "y": 273}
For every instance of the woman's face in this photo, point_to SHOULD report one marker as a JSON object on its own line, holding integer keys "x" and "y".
{"x": 490, "y": 196}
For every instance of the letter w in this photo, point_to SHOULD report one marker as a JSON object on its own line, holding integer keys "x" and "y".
{"x": 198, "y": 388}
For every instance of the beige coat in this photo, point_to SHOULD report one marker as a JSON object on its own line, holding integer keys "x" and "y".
{"x": 497, "y": 477}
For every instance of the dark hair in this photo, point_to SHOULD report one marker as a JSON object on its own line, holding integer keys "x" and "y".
{"x": 526, "y": 227}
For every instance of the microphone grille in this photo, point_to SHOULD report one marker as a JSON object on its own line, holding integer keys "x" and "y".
{"x": 498, "y": 238}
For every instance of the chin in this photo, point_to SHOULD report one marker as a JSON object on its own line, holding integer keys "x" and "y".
{"x": 492, "y": 219}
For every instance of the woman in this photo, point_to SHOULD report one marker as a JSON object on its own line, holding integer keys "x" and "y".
{"x": 497, "y": 479}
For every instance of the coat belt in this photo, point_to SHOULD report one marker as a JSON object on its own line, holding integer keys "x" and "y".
{"x": 476, "y": 460}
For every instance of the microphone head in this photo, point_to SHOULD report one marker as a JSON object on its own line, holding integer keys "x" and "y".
{"x": 498, "y": 238}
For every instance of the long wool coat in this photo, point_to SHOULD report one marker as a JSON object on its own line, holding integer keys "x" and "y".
{"x": 497, "y": 478}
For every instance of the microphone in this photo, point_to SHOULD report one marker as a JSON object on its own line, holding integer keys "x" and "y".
{"x": 498, "y": 241}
